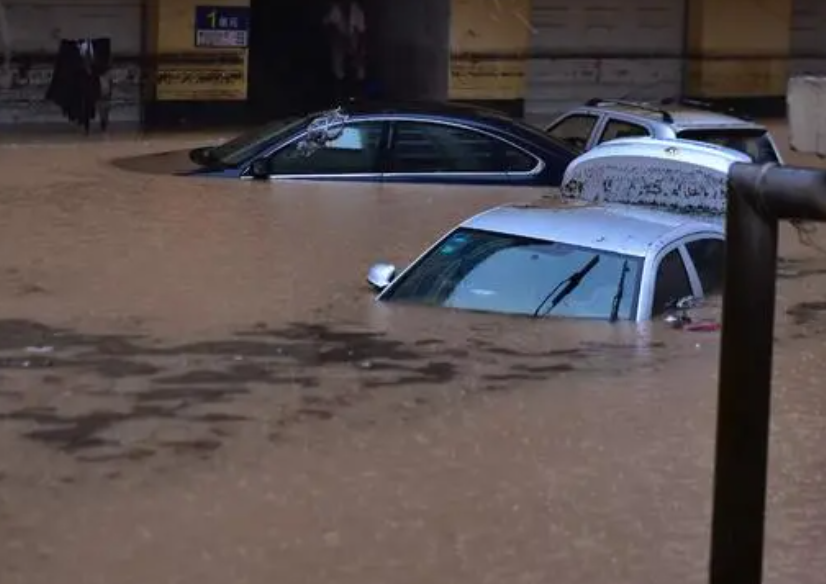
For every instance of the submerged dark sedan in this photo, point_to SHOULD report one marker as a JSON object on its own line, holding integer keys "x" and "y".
{"x": 411, "y": 143}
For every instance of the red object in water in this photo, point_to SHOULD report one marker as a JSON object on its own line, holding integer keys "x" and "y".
{"x": 703, "y": 327}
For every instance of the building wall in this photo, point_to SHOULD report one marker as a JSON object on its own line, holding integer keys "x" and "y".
{"x": 548, "y": 53}
{"x": 743, "y": 47}
{"x": 603, "y": 48}
{"x": 35, "y": 28}
{"x": 489, "y": 45}
{"x": 551, "y": 54}
{"x": 185, "y": 72}
{"x": 808, "y": 37}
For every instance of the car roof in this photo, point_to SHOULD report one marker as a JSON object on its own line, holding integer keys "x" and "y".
{"x": 424, "y": 107}
{"x": 624, "y": 229}
{"x": 472, "y": 114}
{"x": 681, "y": 116}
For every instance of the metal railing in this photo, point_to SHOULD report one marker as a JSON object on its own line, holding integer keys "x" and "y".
{"x": 758, "y": 198}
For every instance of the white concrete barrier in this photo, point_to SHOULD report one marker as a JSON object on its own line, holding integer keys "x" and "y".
{"x": 806, "y": 103}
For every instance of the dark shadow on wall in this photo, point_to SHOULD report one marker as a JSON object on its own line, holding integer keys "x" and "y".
{"x": 289, "y": 64}
{"x": 511, "y": 107}
{"x": 411, "y": 48}
{"x": 290, "y": 68}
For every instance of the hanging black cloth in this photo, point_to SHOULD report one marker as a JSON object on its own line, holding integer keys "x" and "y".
{"x": 75, "y": 86}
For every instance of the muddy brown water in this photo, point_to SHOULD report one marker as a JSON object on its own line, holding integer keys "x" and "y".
{"x": 195, "y": 387}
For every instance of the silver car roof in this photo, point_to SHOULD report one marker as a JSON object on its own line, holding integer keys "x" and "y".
{"x": 635, "y": 231}
{"x": 683, "y": 117}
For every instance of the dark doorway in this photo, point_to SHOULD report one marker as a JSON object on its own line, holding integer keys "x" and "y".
{"x": 290, "y": 60}
{"x": 289, "y": 69}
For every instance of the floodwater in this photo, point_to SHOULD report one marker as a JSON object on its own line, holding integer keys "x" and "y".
{"x": 196, "y": 388}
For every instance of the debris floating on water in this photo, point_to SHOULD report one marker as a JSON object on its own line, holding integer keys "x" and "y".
{"x": 40, "y": 349}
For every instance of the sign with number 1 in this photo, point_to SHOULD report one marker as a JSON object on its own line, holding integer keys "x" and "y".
{"x": 222, "y": 26}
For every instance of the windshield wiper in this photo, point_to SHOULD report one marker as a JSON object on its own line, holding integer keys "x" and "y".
{"x": 615, "y": 303}
{"x": 565, "y": 287}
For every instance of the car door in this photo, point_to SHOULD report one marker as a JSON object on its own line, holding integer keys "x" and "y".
{"x": 707, "y": 254}
{"x": 353, "y": 152}
{"x": 423, "y": 151}
{"x": 669, "y": 278}
{"x": 575, "y": 129}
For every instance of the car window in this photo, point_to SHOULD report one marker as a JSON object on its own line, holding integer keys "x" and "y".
{"x": 518, "y": 161}
{"x": 425, "y": 147}
{"x": 353, "y": 151}
{"x": 709, "y": 258}
{"x": 754, "y": 142}
{"x": 574, "y": 130}
{"x": 672, "y": 283}
{"x": 240, "y": 148}
{"x": 619, "y": 129}
{"x": 494, "y": 272}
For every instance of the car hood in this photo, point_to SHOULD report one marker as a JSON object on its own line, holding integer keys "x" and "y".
{"x": 174, "y": 162}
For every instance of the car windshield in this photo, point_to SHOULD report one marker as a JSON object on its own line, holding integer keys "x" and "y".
{"x": 494, "y": 272}
{"x": 235, "y": 151}
{"x": 754, "y": 142}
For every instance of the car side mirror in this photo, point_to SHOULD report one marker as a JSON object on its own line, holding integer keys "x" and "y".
{"x": 260, "y": 168}
{"x": 380, "y": 276}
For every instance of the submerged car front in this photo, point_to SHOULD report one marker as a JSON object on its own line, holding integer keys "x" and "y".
{"x": 569, "y": 261}
{"x": 616, "y": 245}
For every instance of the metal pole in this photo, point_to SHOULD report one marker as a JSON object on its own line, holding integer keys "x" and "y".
{"x": 744, "y": 393}
{"x": 758, "y": 196}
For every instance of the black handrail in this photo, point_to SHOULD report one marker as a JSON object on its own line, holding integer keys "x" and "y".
{"x": 758, "y": 197}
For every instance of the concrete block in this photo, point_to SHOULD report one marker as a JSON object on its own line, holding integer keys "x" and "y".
{"x": 806, "y": 102}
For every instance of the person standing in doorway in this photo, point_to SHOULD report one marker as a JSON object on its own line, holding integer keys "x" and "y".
{"x": 346, "y": 26}
{"x": 335, "y": 25}
{"x": 358, "y": 48}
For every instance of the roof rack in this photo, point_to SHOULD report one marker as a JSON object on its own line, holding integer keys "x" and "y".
{"x": 705, "y": 105}
{"x": 596, "y": 101}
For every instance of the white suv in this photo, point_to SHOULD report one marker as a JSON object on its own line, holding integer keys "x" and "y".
{"x": 600, "y": 120}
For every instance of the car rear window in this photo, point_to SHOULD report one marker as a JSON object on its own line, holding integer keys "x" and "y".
{"x": 754, "y": 142}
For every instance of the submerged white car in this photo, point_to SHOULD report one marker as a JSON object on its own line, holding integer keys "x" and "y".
{"x": 601, "y": 120}
{"x": 582, "y": 254}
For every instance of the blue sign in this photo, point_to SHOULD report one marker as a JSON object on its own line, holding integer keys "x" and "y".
{"x": 222, "y": 26}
